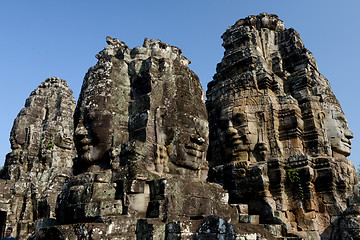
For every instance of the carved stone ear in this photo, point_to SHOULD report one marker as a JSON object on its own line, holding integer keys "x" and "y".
{"x": 161, "y": 158}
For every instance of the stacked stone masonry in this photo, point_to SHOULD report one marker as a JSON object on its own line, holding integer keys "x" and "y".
{"x": 143, "y": 155}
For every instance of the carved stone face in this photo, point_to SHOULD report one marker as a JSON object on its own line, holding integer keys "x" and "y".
{"x": 101, "y": 115}
{"x": 237, "y": 133}
{"x": 93, "y": 135}
{"x": 185, "y": 128}
{"x": 13, "y": 143}
{"x": 163, "y": 107}
{"x": 64, "y": 139}
{"x": 338, "y": 132}
{"x": 190, "y": 142}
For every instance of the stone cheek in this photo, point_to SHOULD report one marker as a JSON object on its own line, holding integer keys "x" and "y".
{"x": 276, "y": 126}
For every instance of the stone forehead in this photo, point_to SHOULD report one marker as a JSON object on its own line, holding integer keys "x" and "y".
{"x": 150, "y": 48}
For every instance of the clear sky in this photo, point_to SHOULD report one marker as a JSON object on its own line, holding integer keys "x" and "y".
{"x": 43, "y": 38}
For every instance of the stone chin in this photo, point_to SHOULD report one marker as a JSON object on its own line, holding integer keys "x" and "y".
{"x": 66, "y": 143}
{"x": 343, "y": 148}
{"x": 90, "y": 155}
{"x": 14, "y": 145}
{"x": 189, "y": 157}
{"x": 235, "y": 148}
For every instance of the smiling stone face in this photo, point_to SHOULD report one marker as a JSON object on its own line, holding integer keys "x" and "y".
{"x": 338, "y": 133}
{"x": 172, "y": 115}
{"x": 94, "y": 135}
{"x": 187, "y": 137}
{"x": 101, "y": 115}
{"x": 272, "y": 112}
{"x": 43, "y": 130}
{"x": 237, "y": 133}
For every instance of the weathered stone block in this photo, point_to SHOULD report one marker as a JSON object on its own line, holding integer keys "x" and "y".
{"x": 103, "y": 177}
{"x": 139, "y": 186}
{"x": 103, "y": 191}
{"x": 242, "y": 208}
{"x": 138, "y": 202}
{"x": 278, "y": 145}
{"x": 253, "y": 219}
{"x": 275, "y": 229}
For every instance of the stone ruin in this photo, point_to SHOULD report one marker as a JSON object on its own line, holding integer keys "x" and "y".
{"x": 41, "y": 159}
{"x": 278, "y": 137}
{"x": 143, "y": 156}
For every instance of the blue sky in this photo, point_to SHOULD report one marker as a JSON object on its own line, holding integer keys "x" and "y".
{"x": 40, "y": 39}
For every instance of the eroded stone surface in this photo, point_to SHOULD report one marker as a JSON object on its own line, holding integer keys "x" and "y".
{"x": 278, "y": 137}
{"x": 148, "y": 99}
{"x": 41, "y": 158}
{"x": 141, "y": 132}
{"x": 278, "y": 146}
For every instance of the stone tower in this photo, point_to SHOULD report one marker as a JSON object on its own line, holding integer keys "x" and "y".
{"x": 278, "y": 136}
{"x": 144, "y": 156}
{"x": 41, "y": 159}
{"x": 141, "y": 134}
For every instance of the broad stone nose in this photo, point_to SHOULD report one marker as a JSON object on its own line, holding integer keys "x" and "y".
{"x": 80, "y": 130}
{"x": 231, "y": 131}
{"x": 348, "y": 134}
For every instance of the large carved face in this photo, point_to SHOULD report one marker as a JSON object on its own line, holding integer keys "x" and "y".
{"x": 189, "y": 142}
{"x": 338, "y": 132}
{"x": 185, "y": 124}
{"x": 101, "y": 118}
{"x": 93, "y": 135}
{"x": 237, "y": 133}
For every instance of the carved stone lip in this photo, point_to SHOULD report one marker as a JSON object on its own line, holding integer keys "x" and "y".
{"x": 194, "y": 146}
{"x": 85, "y": 148}
{"x": 66, "y": 143}
{"x": 346, "y": 140}
{"x": 346, "y": 144}
{"x": 67, "y": 140}
{"x": 193, "y": 152}
{"x": 194, "y": 149}
{"x": 85, "y": 141}
{"x": 84, "y": 145}
{"x": 236, "y": 142}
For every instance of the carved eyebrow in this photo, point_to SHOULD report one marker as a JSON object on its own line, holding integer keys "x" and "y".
{"x": 339, "y": 117}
